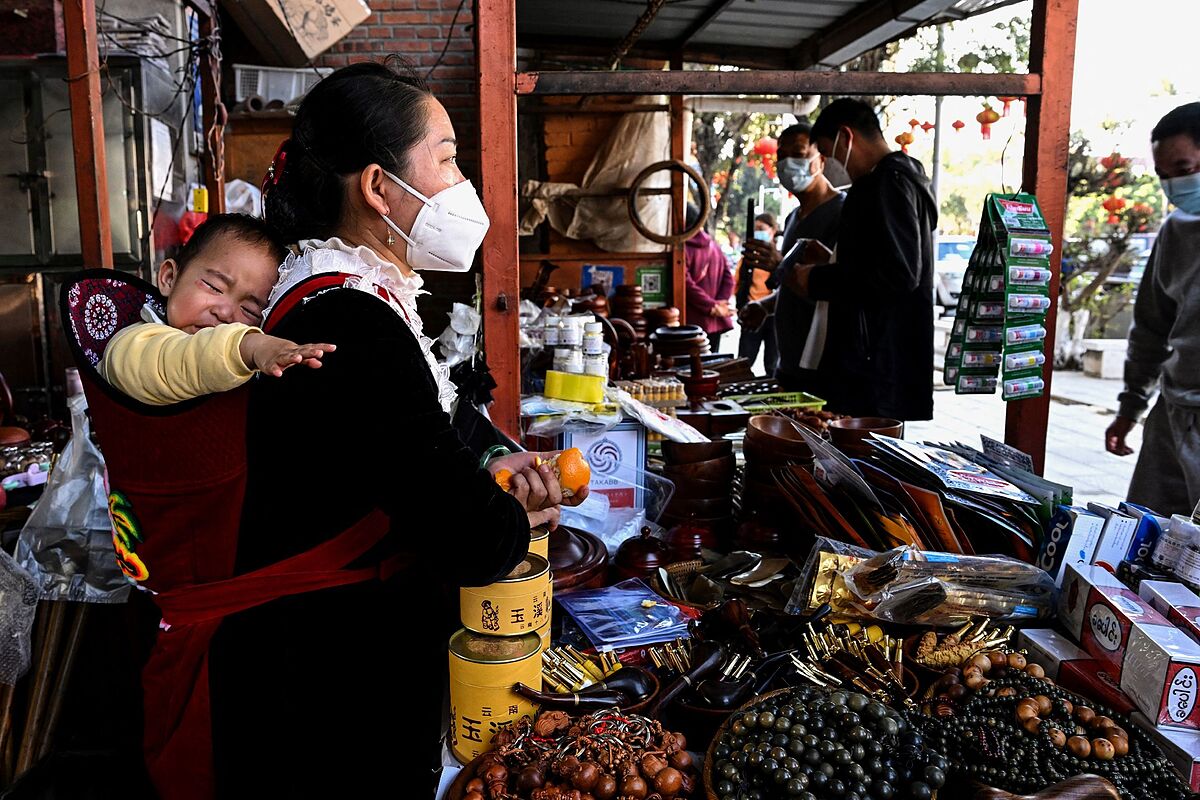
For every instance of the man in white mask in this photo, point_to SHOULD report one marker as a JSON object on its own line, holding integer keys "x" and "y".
{"x": 802, "y": 171}
{"x": 1164, "y": 342}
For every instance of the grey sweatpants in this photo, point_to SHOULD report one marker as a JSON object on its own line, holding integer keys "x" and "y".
{"x": 1167, "y": 476}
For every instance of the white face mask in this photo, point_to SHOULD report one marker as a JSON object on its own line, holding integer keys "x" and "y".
{"x": 448, "y": 229}
{"x": 796, "y": 174}
{"x": 844, "y": 164}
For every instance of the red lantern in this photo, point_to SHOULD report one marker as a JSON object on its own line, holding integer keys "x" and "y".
{"x": 766, "y": 146}
{"x": 927, "y": 126}
{"x": 1114, "y": 161}
{"x": 986, "y": 119}
{"x": 904, "y": 140}
{"x": 914, "y": 123}
{"x": 1008, "y": 101}
{"x": 1113, "y": 205}
{"x": 958, "y": 125}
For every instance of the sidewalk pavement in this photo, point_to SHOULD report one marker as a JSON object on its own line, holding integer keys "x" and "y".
{"x": 1081, "y": 409}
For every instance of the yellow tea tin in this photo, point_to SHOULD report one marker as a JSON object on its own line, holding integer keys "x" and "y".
{"x": 518, "y": 604}
{"x": 539, "y": 542}
{"x": 483, "y": 670}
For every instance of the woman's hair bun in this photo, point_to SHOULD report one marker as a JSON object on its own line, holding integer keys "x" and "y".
{"x": 366, "y": 113}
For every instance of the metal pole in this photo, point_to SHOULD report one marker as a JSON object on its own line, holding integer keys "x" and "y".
{"x": 937, "y": 116}
{"x": 87, "y": 133}
{"x": 212, "y": 112}
{"x": 678, "y": 202}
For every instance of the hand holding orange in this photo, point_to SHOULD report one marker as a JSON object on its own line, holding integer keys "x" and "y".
{"x": 570, "y": 468}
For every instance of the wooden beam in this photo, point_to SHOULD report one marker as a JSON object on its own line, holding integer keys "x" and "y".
{"x": 769, "y": 82}
{"x": 592, "y": 108}
{"x": 1047, "y": 147}
{"x": 706, "y": 18}
{"x": 213, "y": 115}
{"x": 87, "y": 133}
{"x": 678, "y": 202}
{"x": 496, "y": 46}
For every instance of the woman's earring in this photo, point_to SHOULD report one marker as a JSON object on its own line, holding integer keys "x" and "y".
{"x": 391, "y": 240}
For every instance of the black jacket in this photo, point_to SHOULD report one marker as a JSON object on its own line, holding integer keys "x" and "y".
{"x": 879, "y": 347}
{"x": 338, "y": 693}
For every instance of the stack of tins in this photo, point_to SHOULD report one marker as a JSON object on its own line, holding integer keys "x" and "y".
{"x": 506, "y": 628}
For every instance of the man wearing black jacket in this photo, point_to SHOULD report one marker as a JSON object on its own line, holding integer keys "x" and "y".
{"x": 878, "y": 322}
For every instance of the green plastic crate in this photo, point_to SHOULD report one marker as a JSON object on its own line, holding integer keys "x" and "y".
{"x": 756, "y": 403}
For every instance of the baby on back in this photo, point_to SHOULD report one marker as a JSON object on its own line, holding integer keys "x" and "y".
{"x": 216, "y": 290}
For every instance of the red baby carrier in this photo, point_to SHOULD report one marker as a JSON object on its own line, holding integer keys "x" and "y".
{"x": 177, "y": 479}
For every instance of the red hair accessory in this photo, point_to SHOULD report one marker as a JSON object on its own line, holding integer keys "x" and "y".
{"x": 275, "y": 171}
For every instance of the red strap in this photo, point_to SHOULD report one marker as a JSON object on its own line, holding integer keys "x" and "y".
{"x": 315, "y": 569}
{"x": 311, "y": 286}
{"x": 295, "y": 295}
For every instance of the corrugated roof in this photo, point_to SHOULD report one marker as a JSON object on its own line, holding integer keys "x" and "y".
{"x": 795, "y": 34}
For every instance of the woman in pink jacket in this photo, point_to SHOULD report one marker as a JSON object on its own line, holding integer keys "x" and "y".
{"x": 709, "y": 284}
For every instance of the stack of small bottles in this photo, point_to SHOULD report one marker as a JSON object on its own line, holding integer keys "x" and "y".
{"x": 1000, "y": 327}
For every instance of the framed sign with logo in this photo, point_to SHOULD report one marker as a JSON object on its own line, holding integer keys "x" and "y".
{"x": 617, "y": 457}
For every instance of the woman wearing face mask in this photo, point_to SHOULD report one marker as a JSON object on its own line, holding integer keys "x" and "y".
{"x": 339, "y": 692}
{"x": 752, "y": 288}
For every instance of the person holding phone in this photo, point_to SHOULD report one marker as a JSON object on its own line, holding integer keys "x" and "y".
{"x": 753, "y": 288}
{"x": 802, "y": 171}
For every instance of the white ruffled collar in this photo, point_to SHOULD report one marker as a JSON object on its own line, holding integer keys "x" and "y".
{"x": 370, "y": 273}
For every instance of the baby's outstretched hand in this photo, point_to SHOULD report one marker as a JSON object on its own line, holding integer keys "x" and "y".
{"x": 271, "y": 355}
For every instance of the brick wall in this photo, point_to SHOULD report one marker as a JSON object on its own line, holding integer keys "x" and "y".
{"x": 417, "y": 30}
{"x": 571, "y": 142}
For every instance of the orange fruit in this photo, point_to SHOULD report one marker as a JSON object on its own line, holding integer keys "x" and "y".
{"x": 573, "y": 471}
{"x": 570, "y": 467}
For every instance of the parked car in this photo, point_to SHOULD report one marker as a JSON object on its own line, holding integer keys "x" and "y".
{"x": 951, "y": 253}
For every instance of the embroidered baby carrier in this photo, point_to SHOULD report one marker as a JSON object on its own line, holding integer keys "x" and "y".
{"x": 177, "y": 480}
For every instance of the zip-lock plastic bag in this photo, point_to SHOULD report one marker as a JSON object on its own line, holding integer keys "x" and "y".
{"x": 67, "y": 545}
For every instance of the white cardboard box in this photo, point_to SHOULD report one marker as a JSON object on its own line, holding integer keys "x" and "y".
{"x": 1117, "y": 536}
{"x": 1159, "y": 666}
{"x": 1179, "y": 604}
{"x": 1181, "y": 747}
{"x": 1049, "y": 649}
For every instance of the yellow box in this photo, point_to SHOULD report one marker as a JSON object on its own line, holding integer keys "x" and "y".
{"x": 483, "y": 670}
{"x": 576, "y": 388}
{"x": 516, "y": 605}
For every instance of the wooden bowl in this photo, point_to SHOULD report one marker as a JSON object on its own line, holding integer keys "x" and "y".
{"x": 578, "y": 559}
{"x": 716, "y": 469}
{"x": 712, "y": 507}
{"x": 855, "y": 429}
{"x": 677, "y": 453}
{"x": 14, "y": 437}
{"x": 775, "y": 434}
{"x": 697, "y": 489}
{"x": 710, "y": 759}
{"x": 763, "y": 454}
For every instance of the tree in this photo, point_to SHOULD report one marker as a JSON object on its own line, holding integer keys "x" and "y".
{"x": 1109, "y": 201}
{"x": 955, "y": 216}
{"x": 724, "y": 142}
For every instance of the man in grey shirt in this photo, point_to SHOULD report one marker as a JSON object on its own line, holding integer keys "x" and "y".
{"x": 1164, "y": 343}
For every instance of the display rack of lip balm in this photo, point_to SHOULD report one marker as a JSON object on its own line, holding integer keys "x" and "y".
{"x": 999, "y": 333}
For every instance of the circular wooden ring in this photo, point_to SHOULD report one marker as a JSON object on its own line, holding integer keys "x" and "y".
{"x": 635, "y": 190}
